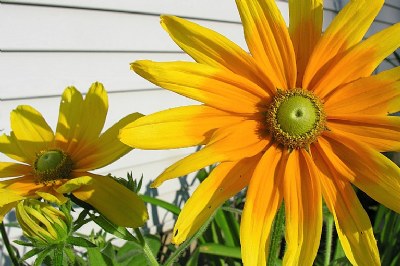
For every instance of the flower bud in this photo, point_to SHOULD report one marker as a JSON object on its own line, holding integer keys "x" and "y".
{"x": 42, "y": 223}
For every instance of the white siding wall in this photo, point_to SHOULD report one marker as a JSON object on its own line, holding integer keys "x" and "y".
{"x": 49, "y": 45}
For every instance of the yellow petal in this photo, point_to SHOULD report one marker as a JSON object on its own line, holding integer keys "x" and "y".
{"x": 13, "y": 169}
{"x": 31, "y": 130}
{"x": 117, "y": 203}
{"x": 359, "y": 61}
{"x": 176, "y": 128}
{"x": 305, "y": 29}
{"x": 9, "y": 196}
{"x": 345, "y": 31}
{"x": 211, "y": 48}
{"x": 303, "y": 210}
{"x": 224, "y": 181}
{"x": 381, "y": 133}
{"x": 10, "y": 146}
{"x": 351, "y": 220}
{"x": 106, "y": 149}
{"x": 218, "y": 88}
{"x": 68, "y": 119}
{"x": 268, "y": 40}
{"x": 75, "y": 183}
{"x": 91, "y": 119}
{"x": 227, "y": 144}
{"x": 52, "y": 196}
{"x": 363, "y": 166}
{"x": 264, "y": 196}
{"x": 6, "y": 209}
{"x": 25, "y": 186}
{"x": 375, "y": 95}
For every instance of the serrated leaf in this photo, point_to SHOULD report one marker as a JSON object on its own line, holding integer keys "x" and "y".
{"x": 80, "y": 242}
{"x": 95, "y": 257}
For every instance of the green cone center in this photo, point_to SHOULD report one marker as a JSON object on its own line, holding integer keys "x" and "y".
{"x": 51, "y": 165}
{"x": 295, "y": 118}
{"x": 49, "y": 160}
{"x": 297, "y": 115}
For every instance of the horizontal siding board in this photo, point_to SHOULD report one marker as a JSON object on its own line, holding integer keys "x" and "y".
{"x": 38, "y": 74}
{"x": 47, "y": 28}
{"x": 222, "y": 10}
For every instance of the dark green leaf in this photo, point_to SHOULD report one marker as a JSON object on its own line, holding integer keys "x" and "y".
{"x": 80, "y": 242}
{"x": 161, "y": 203}
{"x": 220, "y": 250}
{"x": 109, "y": 227}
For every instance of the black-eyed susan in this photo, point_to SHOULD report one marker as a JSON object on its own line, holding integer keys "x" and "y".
{"x": 298, "y": 119}
{"x": 53, "y": 164}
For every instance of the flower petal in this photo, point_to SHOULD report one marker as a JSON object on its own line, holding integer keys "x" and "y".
{"x": 106, "y": 149}
{"x": 68, "y": 119}
{"x": 10, "y": 147}
{"x": 264, "y": 196}
{"x": 82, "y": 179}
{"x": 176, "y": 128}
{"x": 218, "y": 88}
{"x": 305, "y": 29}
{"x": 25, "y": 186}
{"x": 49, "y": 194}
{"x": 363, "y": 166}
{"x": 268, "y": 40}
{"x": 351, "y": 220}
{"x": 345, "y": 31}
{"x": 374, "y": 95}
{"x": 303, "y": 209}
{"x": 211, "y": 48}
{"x": 224, "y": 181}
{"x": 227, "y": 144}
{"x": 6, "y": 209}
{"x": 91, "y": 119}
{"x": 13, "y": 169}
{"x": 31, "y": 130}
{"x": 382, "y": 133}
{"x": 117, "y": 203}
{"x": 358, "y": 62}
{"x": 8, "y": 197}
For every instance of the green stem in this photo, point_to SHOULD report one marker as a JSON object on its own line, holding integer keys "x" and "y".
{"x": 9, "y": 248}
{"x": 146, "y": 249}
{"x": 328, "y": 243}
{"x": 276, "y": 237}
{"x": 175, "y": 255}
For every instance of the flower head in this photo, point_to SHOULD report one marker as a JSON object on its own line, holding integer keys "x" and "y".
{"x": 43, "y": 223}
{"x": 299, "y": 119}
{"x": 53, "y": 164}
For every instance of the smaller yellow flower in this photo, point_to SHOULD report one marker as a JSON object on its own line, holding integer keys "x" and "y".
{"x": 54, "y": 164}
{"x": 42, "y": 223}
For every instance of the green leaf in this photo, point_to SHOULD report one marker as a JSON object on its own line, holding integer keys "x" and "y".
{"x": 98, "y": 258}
{"x": 109, "y": 227}
{"x": 80, "y": 242}
{"x": 41, "y": 256}
{"x": 31, "y": 253}
{"x": 23, "y": 243}
{"x": 131, "y": 254}
{"x": 220, "y": 250}
{"x": 161, "y": 203}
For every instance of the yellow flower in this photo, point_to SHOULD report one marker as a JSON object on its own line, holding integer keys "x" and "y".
{"x": 298, "y": 120}
{"x": 56, "y": 163}
{"x": 42, "y": 223}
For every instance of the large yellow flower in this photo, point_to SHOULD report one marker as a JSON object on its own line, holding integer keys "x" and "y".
{"x": 55, "y": 164}
{"x": 298, "y": 120}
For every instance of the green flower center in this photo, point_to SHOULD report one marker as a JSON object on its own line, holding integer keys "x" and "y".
{"x": 52, "y": 165}
{"x": 295, "y": 118}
